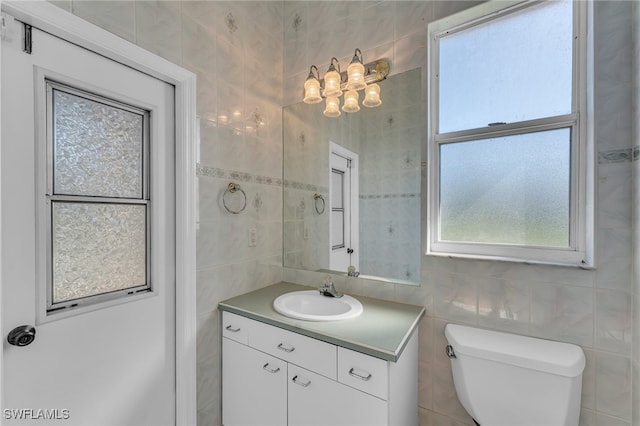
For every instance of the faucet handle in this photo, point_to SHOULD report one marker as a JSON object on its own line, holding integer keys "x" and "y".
{"x": 328, "y": 281}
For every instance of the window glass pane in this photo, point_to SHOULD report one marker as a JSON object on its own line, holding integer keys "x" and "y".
{"x": 97, "y": 148}
{"x": 337, "y": 179}
{"x": 97, "y": 248}
{"x": 511, "y": 190}
{"x": 515, "y": 68}
{"x": 337, "y": 229}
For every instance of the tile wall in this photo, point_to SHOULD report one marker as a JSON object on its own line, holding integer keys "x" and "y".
{"x": 247, "y": 71}
{"x": 589, "y": 308}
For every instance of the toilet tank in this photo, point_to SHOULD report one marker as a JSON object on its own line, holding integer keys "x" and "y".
{"x": 511, "y": 380}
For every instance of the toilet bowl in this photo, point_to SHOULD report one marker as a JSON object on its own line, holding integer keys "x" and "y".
{"x": 509, "y": 380}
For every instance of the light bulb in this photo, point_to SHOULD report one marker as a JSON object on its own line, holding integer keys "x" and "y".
{"x": 351, "y": 102}
{"x": 372, "y": 96}
{"x": 312, "y": 91}
{"x": 355, "y": 75}
{"x": 332, "y": 108}
{"x": 332, "y": 84}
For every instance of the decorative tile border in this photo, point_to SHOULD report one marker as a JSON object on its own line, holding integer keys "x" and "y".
{"x": 215, "y": 172}
{"x": 385, "y": 196}
{"x": 305, "y": 186}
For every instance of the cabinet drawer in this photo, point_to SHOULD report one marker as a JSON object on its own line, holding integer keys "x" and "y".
{"x": 295, "y": 348}
{"x": 363, "y": 372}
{"x": 236, "y": 327}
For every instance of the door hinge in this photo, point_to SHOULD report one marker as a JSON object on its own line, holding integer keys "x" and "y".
{"x": 348, "y": 163}
{"x": 27, "y": 42}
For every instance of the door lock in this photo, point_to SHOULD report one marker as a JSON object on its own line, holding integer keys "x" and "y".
{"x": 22, "y": 335}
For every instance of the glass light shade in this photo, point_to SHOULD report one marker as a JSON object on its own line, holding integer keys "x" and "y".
{"x": 372, "y": 96}
{"x": 351, "y": 102}
{"x": 355, "y": 76}
{"x": 332, "y": 84}
{"x": 312, "y": 91}
{"x": 332, "y": 108}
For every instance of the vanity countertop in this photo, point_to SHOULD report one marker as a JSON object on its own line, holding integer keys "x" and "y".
{"x": 382, "y": 330}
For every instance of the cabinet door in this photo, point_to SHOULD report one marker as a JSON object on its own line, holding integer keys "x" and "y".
{"x": 315, "y": 400}
{"x": 254, "y": 387}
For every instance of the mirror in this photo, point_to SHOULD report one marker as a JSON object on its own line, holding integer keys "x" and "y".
{"x": 352, "y": 185}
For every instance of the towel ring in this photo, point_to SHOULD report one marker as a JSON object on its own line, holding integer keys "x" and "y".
{"x": 319, "y": 203}
{"x": 232, "y": 188}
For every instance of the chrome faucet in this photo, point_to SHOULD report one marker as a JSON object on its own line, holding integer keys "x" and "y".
{"x": 328, "y": 289}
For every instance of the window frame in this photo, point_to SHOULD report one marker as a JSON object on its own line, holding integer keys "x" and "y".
{"x": 92, "y": 302}
{"x": 580, "y": 122}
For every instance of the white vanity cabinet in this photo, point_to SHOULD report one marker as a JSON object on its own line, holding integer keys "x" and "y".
{"x": 275, "y": 376}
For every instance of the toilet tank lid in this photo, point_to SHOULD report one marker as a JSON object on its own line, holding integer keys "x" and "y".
{"x": 558, "y": 358}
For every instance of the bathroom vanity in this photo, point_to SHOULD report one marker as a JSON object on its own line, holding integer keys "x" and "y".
{"x": 278, "y": 370}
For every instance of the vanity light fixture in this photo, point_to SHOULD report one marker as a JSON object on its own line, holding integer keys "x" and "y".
{"x": 355, "y": 73}
{"x": 351, "y": 101}
{"x": 312, "y": 87}
{"x": 332, "y": 108}
{"x": 359, "y": 76}
{"x": 332, "y": 80}
{"x": 372, "y": 96}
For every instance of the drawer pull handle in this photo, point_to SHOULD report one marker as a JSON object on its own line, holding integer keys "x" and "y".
{"x": 304, "y": 384}
{"x": 231, "y": 329}
{"x": 289, "y": 349}
{"x": 354, "y": 374}
{"x": 269, "y": 369}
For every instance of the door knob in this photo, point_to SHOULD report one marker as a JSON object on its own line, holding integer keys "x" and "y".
{"x": 22, "y": 335}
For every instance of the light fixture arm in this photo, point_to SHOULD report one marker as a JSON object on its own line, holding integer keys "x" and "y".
{"x": 332, "y": 66}
{"x": 356, "y": 58}
{"x": 312, "y": 75}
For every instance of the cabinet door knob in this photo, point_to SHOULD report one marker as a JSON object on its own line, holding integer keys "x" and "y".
{"x": 354, "y": 374}
{"x": 303, "y": 383}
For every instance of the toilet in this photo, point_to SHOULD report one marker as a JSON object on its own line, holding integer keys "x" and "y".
{"x": 509, "y": 380}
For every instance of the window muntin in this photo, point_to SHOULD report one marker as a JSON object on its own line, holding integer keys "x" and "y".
{"x": 521, "y": 118}
{"x": 97, "y": 196}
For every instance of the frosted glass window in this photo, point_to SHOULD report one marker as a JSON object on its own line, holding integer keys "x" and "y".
{"x": 98, "y": 238}
{"x": 514, "y": 68}
{"x": 512, "y": 167}
{"x": 97, "y": 248}
{"x": 97, "y": 148}
{"x": 507, "y": 190}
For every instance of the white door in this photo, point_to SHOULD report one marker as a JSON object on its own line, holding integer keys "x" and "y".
{"x": 344, "y": 224}
{"x": 93, "y": 270}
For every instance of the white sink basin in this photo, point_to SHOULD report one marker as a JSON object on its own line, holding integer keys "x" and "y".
{"x": 310, "y": 305}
